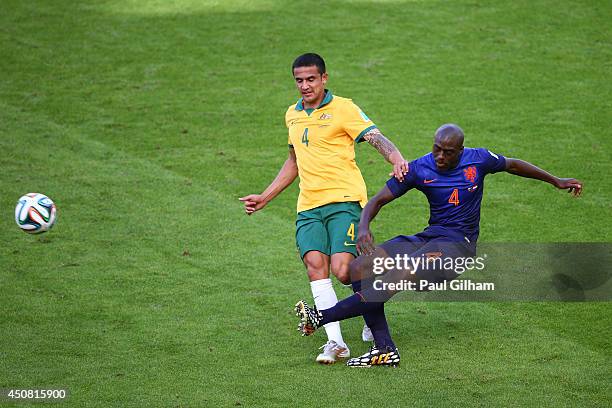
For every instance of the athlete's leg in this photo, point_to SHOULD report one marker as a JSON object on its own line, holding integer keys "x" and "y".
{"x": 340, "y": 262}
{"x": 342, "y": 220}
{"x": 376, "y": 321}
{"x": 369, "y": 299}
{"x": 317, "y": 265}
{"x": 313, "y": 244}
{"x": 352, "y": 306}
{"x": 427, "y": 262}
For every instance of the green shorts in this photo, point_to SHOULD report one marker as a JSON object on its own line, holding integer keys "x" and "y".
{"x": 329, "y": 229}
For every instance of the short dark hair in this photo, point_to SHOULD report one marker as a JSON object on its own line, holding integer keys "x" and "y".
{"x": 308, "y": 60}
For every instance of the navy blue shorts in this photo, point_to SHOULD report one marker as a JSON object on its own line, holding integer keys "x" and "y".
{"x": 438, "y": 257}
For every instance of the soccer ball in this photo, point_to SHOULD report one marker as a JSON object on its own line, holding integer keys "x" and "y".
{"x": 35, "y": 213}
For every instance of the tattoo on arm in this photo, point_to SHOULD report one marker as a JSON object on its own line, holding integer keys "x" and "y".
{"x": 380, "y": 143}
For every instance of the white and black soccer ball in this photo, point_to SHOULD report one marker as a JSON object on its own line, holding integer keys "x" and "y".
{"x": 35, "y": 213}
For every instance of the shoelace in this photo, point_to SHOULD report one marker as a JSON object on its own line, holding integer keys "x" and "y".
{"x": 372, "y": 348}
{"x": 331, "y": 343}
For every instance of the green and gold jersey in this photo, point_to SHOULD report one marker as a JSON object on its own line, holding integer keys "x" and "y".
{"x": 324, "y": 142}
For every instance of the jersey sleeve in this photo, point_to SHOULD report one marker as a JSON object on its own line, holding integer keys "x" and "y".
{"x": 287, "y": 125}
{"x": 492, "y": 162}
{"x": 398, "y": 188}
{"x": 355, "y": 123}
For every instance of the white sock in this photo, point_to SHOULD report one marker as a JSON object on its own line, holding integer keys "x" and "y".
{"x": 324, "y": 298}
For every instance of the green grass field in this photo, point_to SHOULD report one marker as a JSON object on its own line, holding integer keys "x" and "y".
{"x": 146, "y": 120}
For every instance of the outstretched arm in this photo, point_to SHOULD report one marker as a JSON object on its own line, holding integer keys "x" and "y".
{"x": 388, "y": 150}
{"x": 365, "y": 241}
{"x": 526, "y": 169}
{"x": 286, "y": 175}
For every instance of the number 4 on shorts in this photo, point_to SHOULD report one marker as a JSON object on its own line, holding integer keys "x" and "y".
{"x": 351, "y": 232}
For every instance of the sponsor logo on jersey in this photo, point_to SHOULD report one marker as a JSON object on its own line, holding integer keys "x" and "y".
{"x": 325, "y": 116}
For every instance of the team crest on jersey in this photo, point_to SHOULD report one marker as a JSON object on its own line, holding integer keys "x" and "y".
{"x": 325, "y": 116}
{"x": 470, "y": 174}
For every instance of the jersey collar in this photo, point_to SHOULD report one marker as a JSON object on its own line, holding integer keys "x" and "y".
{"x": 299, "y": 106}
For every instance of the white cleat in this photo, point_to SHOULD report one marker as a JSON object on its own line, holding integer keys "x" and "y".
{"x": 366, "y": 334}
{"x": 331, "y": 352}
